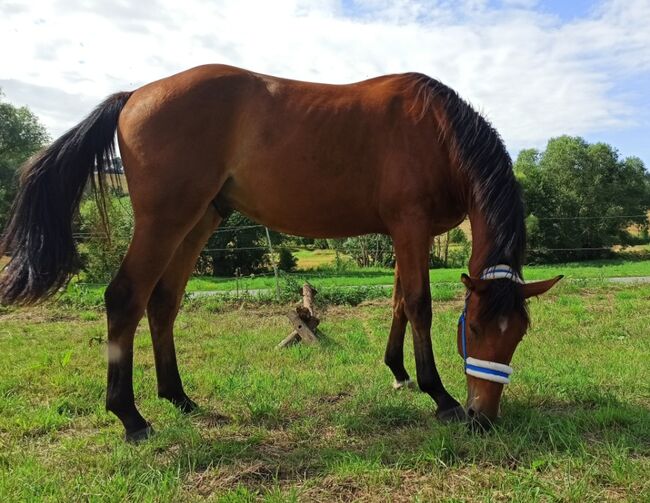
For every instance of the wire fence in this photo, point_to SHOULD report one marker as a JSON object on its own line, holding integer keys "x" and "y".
{"x": 268, "y": 247}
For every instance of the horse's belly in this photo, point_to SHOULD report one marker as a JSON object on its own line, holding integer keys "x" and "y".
{"x": 303, "y": 203}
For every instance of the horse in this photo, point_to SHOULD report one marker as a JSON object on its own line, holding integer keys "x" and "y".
{"x": 402, "y": 154}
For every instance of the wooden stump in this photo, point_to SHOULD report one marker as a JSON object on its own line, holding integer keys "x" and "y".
{"x": 303, "y": 319}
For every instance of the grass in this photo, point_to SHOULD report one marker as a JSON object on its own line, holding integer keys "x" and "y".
{"x": 381, "y": 276}
{"x": 355, "y": 285}
{"x": 321, "y": 423}
{"x": 313, "y": 259}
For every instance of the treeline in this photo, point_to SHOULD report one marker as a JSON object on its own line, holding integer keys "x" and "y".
{"x": 582, "y": 200}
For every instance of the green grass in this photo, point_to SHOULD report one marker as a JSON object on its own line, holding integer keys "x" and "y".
{"x": 337, "y": 287}
{"x": 321, "y": 423}
{"x": 313, "y": 259}
{"x": 381, "y": 276}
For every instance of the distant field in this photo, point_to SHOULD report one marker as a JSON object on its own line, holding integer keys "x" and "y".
{"x": 445, "y": 283}
{"x": 321, "y": 423}
{"x": 312, "y": 259}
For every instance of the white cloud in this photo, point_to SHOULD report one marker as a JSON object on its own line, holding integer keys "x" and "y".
{"x": 534, "y": 76}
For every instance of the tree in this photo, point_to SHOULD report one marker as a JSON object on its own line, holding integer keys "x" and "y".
{"x": 580, "y": 198}
{"x": 286, "y": 261}
{"x": 370, "y": 250}
{"x": 21, "y": 135}
{"x": 239, "y": 246}
{"x": 102, "y": 254}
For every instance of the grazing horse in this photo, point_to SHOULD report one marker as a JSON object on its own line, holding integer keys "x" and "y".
{"x": 401, "y": 155}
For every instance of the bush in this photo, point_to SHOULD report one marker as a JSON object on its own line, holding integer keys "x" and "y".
{"x": 457, "y": 236}
{"x": 101, "y": 254}
{"x": 286, "y": 261}
{"x": 238, "y": 247}
{"x": 370, "y": 250}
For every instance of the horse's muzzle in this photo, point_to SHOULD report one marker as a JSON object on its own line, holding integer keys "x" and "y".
{"x": 483, "y": 398}
{"x": 478, "y": 421}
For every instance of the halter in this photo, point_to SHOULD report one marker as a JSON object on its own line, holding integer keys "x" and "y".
{"x": 483, "y": 369}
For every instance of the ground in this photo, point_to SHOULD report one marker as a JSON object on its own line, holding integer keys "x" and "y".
{"x": 322, "y": 423}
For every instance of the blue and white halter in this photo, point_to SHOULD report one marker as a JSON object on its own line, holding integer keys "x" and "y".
{"x": 483, "y": 369}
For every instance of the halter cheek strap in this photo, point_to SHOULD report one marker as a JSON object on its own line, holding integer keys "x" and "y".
{"x": 483, "y": 369}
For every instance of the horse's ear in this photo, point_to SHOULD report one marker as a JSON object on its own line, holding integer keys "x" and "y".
{"x": 539, "y": 287}
{"x": 474, "y": 284}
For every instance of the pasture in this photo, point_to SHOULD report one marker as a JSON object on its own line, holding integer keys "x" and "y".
{"x": 378, "y": 276}
{"x": 322, "y": 423}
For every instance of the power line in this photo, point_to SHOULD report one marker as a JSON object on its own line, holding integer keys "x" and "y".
{"x": 602, "y": 217}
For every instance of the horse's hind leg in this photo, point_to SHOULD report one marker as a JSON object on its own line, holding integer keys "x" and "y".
{"x": 394, "y": 356}
{"x": 157, "y": 235}
{"x": 163, "y": 306}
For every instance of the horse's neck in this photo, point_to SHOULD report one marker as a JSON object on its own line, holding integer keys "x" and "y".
{"x": 481, "y": 242}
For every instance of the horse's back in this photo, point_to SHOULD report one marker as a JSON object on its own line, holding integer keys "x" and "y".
{"x": 302, "y": 157}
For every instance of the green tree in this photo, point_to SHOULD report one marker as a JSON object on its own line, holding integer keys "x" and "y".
{"x": 286, "y": 261}
{"x": 101, "y": 255}
{"x": 238, "y": 246}
{"x": 370, "y": 250}
{"x": 21, "y": 135}
{"x": 580, "y": 198}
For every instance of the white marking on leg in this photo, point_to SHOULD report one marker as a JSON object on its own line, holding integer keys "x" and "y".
{"x": 403, "y": 384}
{"x": 114, "y": 352}
{"x": 503, "y": 324}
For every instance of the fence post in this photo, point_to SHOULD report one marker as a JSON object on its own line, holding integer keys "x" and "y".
{"x": 275, "y": 266}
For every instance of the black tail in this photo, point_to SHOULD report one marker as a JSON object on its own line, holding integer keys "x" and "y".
{"x": 38, "y": 236}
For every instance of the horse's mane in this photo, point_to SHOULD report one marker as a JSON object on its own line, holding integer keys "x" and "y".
{"x": 480, "y": 153}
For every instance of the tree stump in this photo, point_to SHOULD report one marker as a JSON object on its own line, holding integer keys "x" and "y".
{"x": 303, "y": 319}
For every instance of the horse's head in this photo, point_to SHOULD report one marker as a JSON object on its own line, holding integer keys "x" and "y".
{"x": 493, "y": 322}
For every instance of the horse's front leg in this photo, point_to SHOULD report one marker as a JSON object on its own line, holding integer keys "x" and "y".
{"x": 412, "y": 252}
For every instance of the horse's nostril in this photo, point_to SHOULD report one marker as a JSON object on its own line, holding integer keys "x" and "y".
{"x": 471, "y": 412}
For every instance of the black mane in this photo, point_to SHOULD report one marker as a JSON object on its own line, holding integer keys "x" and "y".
{"x": 480, "y": 153}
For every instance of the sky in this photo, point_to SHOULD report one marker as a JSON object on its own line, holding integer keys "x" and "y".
{"x": 536, "y": 69}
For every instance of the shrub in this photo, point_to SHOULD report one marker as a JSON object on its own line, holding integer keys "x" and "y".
{"x": 370, "y": 250}
{"x": 102, "y": 253}
{"x": 286, "y": 261}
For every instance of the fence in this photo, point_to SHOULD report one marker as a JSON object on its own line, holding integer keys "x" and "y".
{"x": 272, "y": 254}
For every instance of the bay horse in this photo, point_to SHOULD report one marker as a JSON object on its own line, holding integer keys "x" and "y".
{"x": 401, "y": 155}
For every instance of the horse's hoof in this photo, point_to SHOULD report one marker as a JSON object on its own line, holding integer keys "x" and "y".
{"x": 135, "y": 437}
{"x": 186, "y": 405}
{"x": 407, "y": 384}
{"x": 455, "y": 414}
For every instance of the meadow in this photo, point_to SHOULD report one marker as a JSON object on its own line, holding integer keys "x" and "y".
{"x": 374, "y": 276}
{"x": 322, "y": 423}
{"x": 353, "y": 285}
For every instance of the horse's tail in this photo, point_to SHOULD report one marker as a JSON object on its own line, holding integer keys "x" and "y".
{"x": 38, "y": 237}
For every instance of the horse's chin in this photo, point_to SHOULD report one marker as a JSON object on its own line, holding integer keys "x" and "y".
{"x": 483, "y": 398}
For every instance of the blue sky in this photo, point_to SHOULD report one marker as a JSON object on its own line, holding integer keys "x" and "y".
{"x": 536, "y": 69}
{"x": 567, "y": 10}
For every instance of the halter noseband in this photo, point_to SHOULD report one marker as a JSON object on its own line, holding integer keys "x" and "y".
{"x": 483, "y": 369}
